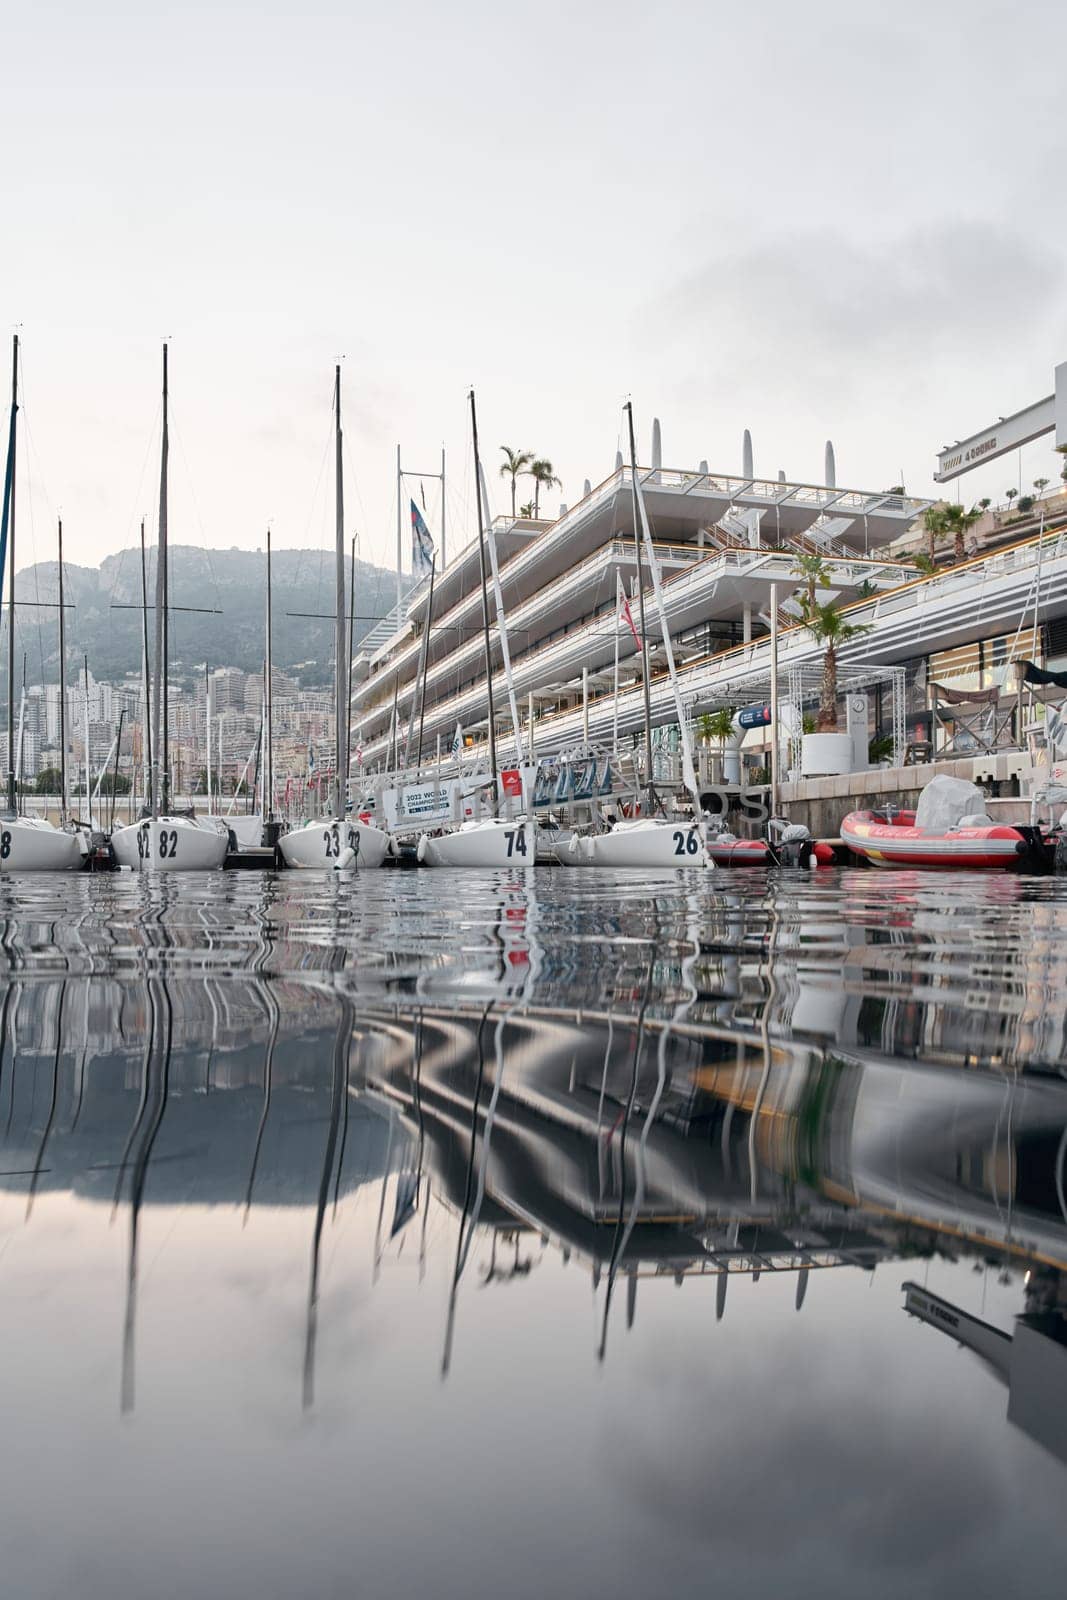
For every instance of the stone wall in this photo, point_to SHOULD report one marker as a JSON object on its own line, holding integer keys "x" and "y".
{"x": 820, "y": 803}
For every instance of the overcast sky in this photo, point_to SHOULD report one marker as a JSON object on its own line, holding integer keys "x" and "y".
{"x": 820, "y": 220}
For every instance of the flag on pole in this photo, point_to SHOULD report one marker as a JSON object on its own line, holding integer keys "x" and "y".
{"x": 457, "y": 739}
{"x": 422, "y": 550}
{"x": 627, "y": 615}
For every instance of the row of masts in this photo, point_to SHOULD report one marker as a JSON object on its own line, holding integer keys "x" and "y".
{"x": 156, "y": 685}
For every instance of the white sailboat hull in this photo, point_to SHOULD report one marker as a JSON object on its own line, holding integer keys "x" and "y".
{"x": 171, "y": 844}
{"x": 489, "y": 843}
{"x": 647, "y": 842}
{"x": 328, "y": 844}
{"x": 30, "y": 844}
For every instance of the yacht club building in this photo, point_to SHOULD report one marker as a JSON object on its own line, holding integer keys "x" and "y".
{"x": 728, "y": 547}
{"x": 726, "y": 544}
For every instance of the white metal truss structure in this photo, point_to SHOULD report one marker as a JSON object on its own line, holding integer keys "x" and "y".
{"x": 805, "y": 683}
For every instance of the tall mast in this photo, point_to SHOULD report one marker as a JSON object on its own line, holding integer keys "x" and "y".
{"x": 641, "y": 608}
{"x": 351, "y": 653}
{"x": 7, "y": 549}
{"x": 485, "y": 594}
{"x": 268, "y": 704}
{"x": 207, "y": 735}
{"x": 62, "y": 689}
{"x": 160, "y": 740}
{"x": 149, "y": 775}
{"x": 341, "y": 690}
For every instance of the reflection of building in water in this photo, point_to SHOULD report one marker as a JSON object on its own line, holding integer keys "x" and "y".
{"x": 1031, "y": 1362}
{"x": 644, "y": 1147}
{"x": 938, "y": 980}
{"x": 749, "y": 1157}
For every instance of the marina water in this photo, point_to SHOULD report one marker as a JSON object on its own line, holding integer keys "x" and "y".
{"x": 524, "y": 1233}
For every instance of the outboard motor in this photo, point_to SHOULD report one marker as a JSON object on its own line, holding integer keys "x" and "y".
{"x": 793, "y": 845}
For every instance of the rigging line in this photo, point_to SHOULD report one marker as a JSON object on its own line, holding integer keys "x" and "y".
{"x": 302, "y": 549}
{"x": 32, "y": 484}
{"x": 192, "y": 495}
{"x": 135, "y": 516}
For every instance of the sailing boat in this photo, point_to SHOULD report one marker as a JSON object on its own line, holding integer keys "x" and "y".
{"x": 650, "y": 841}
{"x": 337, "y": 841}
{"x": 27, "y": 844}
{"x": 489, "y": 841}
{"x": 164, "y": 840}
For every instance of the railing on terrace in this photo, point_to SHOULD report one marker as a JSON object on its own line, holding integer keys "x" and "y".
{"x": 717, "y": 485}
{"x": 1029, "y": 553}
{"x": 774, "y": 564}
{"x": 614, "y": 550}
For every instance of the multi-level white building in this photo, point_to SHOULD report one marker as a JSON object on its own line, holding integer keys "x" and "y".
{"x": 727, "y": 545}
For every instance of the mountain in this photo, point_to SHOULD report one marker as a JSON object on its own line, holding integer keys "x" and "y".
{"x": 227, "y": 630}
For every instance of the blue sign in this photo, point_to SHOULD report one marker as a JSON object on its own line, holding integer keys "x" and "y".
{"x": 754, "y": 717}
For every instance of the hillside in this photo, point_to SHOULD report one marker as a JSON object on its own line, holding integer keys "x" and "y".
{"x": 229, "y": 581}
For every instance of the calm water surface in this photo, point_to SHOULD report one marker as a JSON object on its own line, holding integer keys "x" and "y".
{"x": 485, "y": 1234}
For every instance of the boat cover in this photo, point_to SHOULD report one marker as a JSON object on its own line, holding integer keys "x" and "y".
{"x": 946, "y": 801}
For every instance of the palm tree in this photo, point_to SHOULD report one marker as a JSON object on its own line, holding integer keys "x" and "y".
{"x": 814, "y": 573}
{"x": 1009, "y": 495}
{"x": 828, "y": 627}
{"x": 515, "y": 461}
{"x": 544, "y": 477}
{"x": 527, "y": 509}
{"x": 958, "y": 522}
{"x": 934, "y": 527}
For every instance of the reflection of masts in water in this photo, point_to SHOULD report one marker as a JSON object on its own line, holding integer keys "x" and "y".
{"x": 765, "y": 1038}
{"x": 274, "y": 1016}
{"x": 381, "y": 1199}
{"x": 273, "y": 1010}
{"x": 35, "y": 1176}
{"x": 533, "y": 968}
{"x": 83, "y": 1056}
{"x": 160, "y": 1048}
{"x": 339, "y": 1093}
{"x": 639, "y": 1039}
{"x": 10, "y": 990}
{"x": 420, "y": 1124}
{"x": 450, "y": 1321}
{"x": 146, "y": 1075}
{"x": 680, "y": 1011}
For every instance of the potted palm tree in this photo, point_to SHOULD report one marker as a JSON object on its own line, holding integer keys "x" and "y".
{"x": 826, "y": 751}
{"x": 719, "y": 726}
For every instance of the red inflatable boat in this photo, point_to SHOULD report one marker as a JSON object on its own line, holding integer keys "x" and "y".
{"x": 897, "y": 842}
{"x": 727, "y": 851}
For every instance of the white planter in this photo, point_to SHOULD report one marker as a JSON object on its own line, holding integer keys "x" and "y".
{"x": 825, "y": 754}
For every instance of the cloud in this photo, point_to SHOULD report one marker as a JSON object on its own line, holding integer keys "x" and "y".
{"x": 819, "y": 307}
